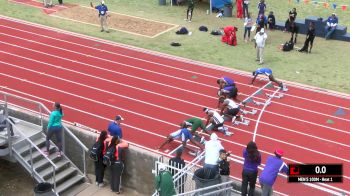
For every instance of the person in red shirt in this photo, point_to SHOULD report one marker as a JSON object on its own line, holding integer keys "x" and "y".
{"x": 239, "y": 5}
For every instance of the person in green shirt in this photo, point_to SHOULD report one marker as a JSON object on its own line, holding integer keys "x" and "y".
{"x": 196, "y": 123}
{"x": 55, "y": 127}
{"x": 164, "y": 182}
{"x": 190, "y": 10}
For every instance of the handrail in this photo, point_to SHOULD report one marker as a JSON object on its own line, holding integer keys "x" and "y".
{"x": 26, "y": 138}
{"x": 209, "y": 187}
{"x": 47, "y": 110}
{"x": 189, "y": 166}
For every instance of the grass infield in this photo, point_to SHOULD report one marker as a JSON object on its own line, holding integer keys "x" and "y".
{"x": 327, "y": 66}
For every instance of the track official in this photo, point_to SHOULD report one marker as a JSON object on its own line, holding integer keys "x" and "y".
{"x": 102, "y": 14}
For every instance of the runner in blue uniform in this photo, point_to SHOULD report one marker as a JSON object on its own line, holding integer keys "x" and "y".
{"x": 184, "y": 134}
{"x": 267, "y": 72}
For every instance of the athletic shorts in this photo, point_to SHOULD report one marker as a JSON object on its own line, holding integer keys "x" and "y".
{"x": 232, "y": 112}
{"x": 184, "y": 134}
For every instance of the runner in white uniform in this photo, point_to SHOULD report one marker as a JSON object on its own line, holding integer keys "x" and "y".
{"x": 215, "y": 122}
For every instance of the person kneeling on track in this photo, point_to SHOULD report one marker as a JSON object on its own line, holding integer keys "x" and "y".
{"x": 267, "y": 72}
{"x": 185, "y": 135}
{"x": 225, "y": 82}
{"x": 215, "y": 122}
{"x": 230, "y": 110}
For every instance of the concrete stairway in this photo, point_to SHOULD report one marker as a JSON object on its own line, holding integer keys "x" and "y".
{"x": 33, "y": 160}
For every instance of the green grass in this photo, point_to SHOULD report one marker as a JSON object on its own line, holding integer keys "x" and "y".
{"x": 326, "y": 67}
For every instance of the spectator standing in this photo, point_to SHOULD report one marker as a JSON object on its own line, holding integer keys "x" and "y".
{"x": 48, "y": 3}
{"x": 114, "y": 128}
{"x": 274, "y": 165}
{"x": 292, "y": 15}
{"x": 224, "y": 169}
{"x": 261, "y": 22}
{"x": 178, "y": 163}
{"x": 294, "y": 29}
{"x": 212, "y": 153}
{"x": 261, "y": 7}
{"x": 118, "y": 167}
{"x": 164, "y": 182}
{"x": 190, "y": 8}
{"x": 310, "y": 36}
{"x": 99, "y": 166}
{"x": 245, "y": 8}
{"x": 248, "y": 23}
{"x": 252, "y": 159}
{"x": 332, "y": 23}
{"x": 271, "y": 20}
{"x": 260, "y": 39}
{"x": 55, "y": 127}
{"x": 60, "y": 2}
{"x": 239, "y": 8}
{"x": 102, "y": 14}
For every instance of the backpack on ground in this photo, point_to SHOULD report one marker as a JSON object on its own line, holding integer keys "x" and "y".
{"x": 288, "y": 46}
{"x": 95, "y": 151}
{"x": 109, "y": 157}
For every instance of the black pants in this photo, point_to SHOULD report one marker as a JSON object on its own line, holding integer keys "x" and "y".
{"x": 189, "y": 13}
{"x": 116, "y": 176}
{"x": 248, "y": 177}
{"x": 60, "y": 1}
{"x": 308, "y": 41}
{"x": 245, "y": 10}
{"x": 99, "y": 170}
{"x": 57, "y": 130}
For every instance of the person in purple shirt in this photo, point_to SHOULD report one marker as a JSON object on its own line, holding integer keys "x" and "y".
{"x": 267, "y": 72}
{"x": 225, "y": 82}
{"x": 252, "y": 159}
{"x": 261, "y": 7}
{"x": 114, "y": 128}
{"x": 274, "y": 165}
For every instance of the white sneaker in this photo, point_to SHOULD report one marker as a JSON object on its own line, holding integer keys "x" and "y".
{"x": 101, "y": 184}
{"x": 96, "y": 183}
{"x": 185, "y": 19}
{"x": 202, "y": 140}
{"x": 227, "y": 133}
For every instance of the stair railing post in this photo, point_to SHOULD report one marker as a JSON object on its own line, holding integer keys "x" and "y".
{"x": 8, "y": 126}
{"x": 84, "y": 161}
{"x": 63, "y": 140}
{"x": 41, "y": 117}
{"x": 54, "y": 178}
{"x": 31, "y": 159}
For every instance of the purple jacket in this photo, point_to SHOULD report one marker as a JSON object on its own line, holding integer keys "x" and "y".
{"x": 250, "y": 166}
{"x": 273, "y": 166}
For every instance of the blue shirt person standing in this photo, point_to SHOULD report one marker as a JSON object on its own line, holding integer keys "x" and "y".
{"x": 267, "y": 72}
{"x": 114, "y": 128}
{"x": 274, "y": 165}
{"x": 332, "y": 23}
{"x": 102, "y": 14}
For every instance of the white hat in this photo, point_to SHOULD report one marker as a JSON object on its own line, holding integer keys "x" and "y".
{"x": 262, "y": 30}
{"x": 213, "y": 136}
{"x": 162, "y": 167}
{"x": 102, "y": 2}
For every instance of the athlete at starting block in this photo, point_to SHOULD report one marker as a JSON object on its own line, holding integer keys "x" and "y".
{"x": 268, "y": 73}
{"x": 230, "y": 111}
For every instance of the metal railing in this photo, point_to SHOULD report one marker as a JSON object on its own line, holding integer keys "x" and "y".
{"x": 43, "y": 113}
{"x": 31, "y": 145}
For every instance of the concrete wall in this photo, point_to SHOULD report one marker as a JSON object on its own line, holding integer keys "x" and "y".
{"x": 138, "y": 166}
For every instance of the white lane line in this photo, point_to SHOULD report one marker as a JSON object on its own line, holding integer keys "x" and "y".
{"x": 88, "y": 113}
{"x": 165, "y": 108}
{"x": 295, "y": 107}
{"x": 335, "y": 129}
{"x": 108, "y": 105}
{"x": 199, "y": 64}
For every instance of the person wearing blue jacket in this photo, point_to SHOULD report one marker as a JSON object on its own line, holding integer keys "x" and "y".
{"x": 55, "y": 127}
{"x": 274, "y": 165}
{"x": 252, "y": 159}
{"x": 332, "y": 23}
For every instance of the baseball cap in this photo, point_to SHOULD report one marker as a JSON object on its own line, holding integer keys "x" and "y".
{"x": 119, "y": 117}
{"x": 262, "y": 30}
{"x": 279, "y": 152}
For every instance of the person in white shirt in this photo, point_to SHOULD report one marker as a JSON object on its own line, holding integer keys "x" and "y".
{"x": 212, "y": 152}
{"x": 260, "y": 39}
{"x": 215, "y": 122}
{"x": 229, "y": 109}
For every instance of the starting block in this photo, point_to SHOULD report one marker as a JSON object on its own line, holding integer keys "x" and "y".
{"x": 279, "y": 96}
{"x": 284, "y": 89}
{"x": 249, "y": 112}
{"x": 261, "y": 103}
{"x": 243, "y": 121}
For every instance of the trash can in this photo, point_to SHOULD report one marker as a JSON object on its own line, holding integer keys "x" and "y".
{"x": 228, "y": 10}
{"x": 202, "y": 182}
{"x": 162, "y": 2}
{"x": 43, "y": 189}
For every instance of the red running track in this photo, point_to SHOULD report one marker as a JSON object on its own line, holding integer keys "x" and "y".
{"x": 95, "y": 80}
